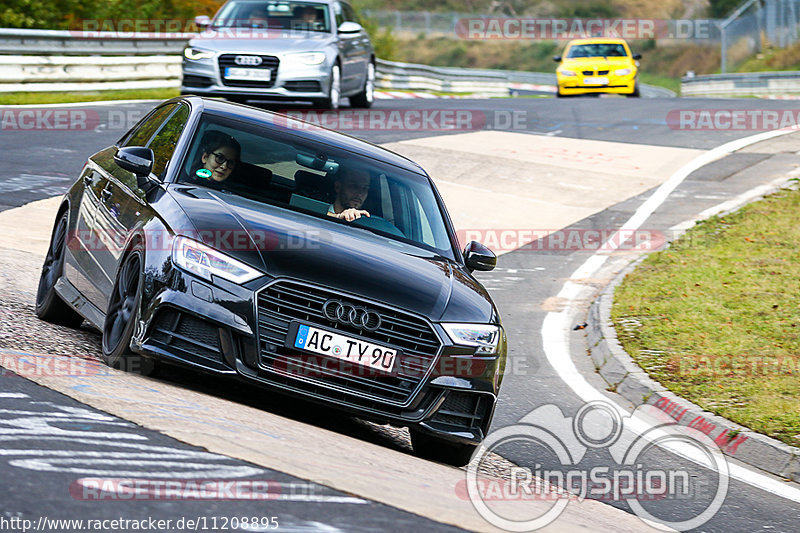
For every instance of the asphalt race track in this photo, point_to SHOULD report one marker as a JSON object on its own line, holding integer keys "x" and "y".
{"x": 590, "y": 163}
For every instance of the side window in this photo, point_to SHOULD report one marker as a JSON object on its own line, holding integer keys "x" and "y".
{"x": 337, "y": 11}
{"x": 163, "y": 144}
{"x": 144, "y": 131}
{"x": 349, "y": 13}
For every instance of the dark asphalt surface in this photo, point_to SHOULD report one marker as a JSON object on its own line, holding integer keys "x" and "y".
{"x": 54, "y": 449}
{"x": 43, "y": 163}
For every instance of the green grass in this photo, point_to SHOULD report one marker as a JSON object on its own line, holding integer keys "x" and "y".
{"x": 706, "y": 316}
{"x": 673, "y": 84}
{"x": 23, "y": 98}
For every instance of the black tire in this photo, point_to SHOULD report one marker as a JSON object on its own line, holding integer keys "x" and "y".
{"x": 443, "y": 451}
{"x": 635, "y": 93}
{"x": 366, "y": 97}
{"x": 121, "y": 316}
{"x": 49, "y": 305}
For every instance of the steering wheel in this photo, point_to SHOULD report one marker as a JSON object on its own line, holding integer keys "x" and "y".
{"x": 378, "y": 223}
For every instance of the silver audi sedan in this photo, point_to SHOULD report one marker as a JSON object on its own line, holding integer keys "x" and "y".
{"x": 280, "y": 50}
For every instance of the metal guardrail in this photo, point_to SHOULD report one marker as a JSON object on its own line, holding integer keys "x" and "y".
{"x": 48, "y": 60}
{"x": 62, "y": 42}
{"x": 394, "y": 75}
{"x": 743, "y": 84}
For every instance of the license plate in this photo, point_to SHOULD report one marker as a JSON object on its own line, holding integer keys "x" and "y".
{"x": 345, "y": 348}
{"x": 255, "y": 74}
{"x": 595, "y": 81}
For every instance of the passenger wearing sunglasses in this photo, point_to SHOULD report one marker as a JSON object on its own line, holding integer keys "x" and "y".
{"x": 220, "y": 155}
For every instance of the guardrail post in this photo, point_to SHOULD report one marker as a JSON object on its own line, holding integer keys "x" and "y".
{"x": 723, "y": 49}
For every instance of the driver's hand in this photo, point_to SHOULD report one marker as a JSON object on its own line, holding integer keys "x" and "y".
{"x": 352, "y": 213}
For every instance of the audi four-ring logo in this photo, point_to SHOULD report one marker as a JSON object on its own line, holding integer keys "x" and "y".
{"x": 353, "y": 315}
{"x": 247, "y": 60}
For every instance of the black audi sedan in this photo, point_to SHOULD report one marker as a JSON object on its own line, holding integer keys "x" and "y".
{"x": 242, "y": 242}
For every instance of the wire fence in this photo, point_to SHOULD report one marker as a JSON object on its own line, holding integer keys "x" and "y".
{"x": 746, "y": 31}
{"x": 757, "y": 23}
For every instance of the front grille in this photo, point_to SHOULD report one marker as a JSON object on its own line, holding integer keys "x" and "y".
{"x": 602, "y": 72}
{"x": 186, "y": 335}
{"x": 588, "y": 73}
{"x": 190, "y": 80}
{"x": 310, "y": 86}
{"x": 267, "y": 62}
{"x": 285, "y": 301}
{"x": 462, "y": 409}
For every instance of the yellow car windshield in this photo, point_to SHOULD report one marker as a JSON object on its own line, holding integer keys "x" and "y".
{"x": 597, "y": 50}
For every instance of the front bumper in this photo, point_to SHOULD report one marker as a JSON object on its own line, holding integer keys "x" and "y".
{"x": 574, "y": 85}
{"x": 222, "y": 328}
{"x": 289, "y": 81}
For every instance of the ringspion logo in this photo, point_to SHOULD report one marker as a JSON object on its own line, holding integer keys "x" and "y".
{"x": 630, "y": 470}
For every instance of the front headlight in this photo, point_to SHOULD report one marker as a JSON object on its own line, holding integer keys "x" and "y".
{"x": 622, "y": 71}
{"x": 204, "y": 261}
{"x": 567, "y": 72}
{"x": 194, "y": 54}
{"x": 307, "y": 58}
{"x": 484, "y": 337}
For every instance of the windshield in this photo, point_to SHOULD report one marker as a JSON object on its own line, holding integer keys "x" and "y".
{"x": 304, "y": 16}
{"x": 597, "y": 50}
{"x": 320, "y": 180}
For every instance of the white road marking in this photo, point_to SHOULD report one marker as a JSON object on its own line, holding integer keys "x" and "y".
{"x": 13, "y": 395}
{"x": 556, "y": 325}
{"x": 135, "y": 459}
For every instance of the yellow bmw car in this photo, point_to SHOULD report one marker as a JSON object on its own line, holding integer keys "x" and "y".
{"x": 597, "y": 65}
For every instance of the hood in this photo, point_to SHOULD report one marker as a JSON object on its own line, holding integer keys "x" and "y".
{"x": 284, "y": 243}
{"x": 277, "y": 43}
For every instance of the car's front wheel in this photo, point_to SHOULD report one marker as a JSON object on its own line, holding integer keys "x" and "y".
{"x": 121, "y": 316}
{"x": 49, "y": 305}
{"x": 443, "y": 451}
{"x": 367, "y": 96}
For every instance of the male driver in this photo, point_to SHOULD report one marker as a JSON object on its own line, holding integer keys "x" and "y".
{"x": 351, "y": 192}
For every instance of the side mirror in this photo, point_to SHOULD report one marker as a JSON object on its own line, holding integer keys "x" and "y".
{"x": 350, "y": 27}
{"x": 479, "y": 257}
{"x": 557, "y": 59}
{"x": 637, "y": 56}
{"x": 138, "y": 160}
{"x": 202, "y": 22}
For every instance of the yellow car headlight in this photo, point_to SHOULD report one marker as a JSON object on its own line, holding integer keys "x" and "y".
{"x": 565, "y": 72}
{"x": 623, "y": 71}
